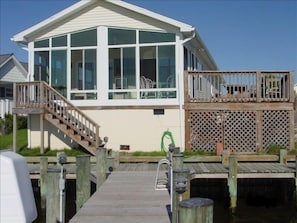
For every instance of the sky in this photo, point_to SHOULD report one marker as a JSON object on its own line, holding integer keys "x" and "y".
{"x": 240, "y": 34}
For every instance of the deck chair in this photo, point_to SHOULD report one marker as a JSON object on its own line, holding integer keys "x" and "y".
{"x": 146, "y": 83}
{"x": 273, "y": 87}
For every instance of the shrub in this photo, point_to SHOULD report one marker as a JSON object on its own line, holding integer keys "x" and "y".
{"x": 6, "y": 125}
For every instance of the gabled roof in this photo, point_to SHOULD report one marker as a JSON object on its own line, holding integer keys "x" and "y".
{"x": 21, "y": 37}
{"x": 5, "y": 58}
{"x": 189, "y": 31}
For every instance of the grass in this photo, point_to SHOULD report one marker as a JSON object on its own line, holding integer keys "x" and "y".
{"x": 36, "y": 152}
{"x": 151, "y": 153}
{"x": 6, "y": 142}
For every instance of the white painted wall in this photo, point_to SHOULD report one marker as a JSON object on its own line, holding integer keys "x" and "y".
{"x": 138, "y": 128}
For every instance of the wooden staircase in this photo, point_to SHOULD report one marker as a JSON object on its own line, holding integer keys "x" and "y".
{"x": 39, "y": 98}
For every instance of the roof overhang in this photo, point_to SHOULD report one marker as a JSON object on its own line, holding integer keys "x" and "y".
{"x": 23, "y": 37}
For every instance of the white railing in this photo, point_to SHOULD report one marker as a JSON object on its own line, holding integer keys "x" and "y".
{"x": 5, "y": 107}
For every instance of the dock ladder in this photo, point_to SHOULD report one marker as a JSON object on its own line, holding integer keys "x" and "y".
{"x": 162, "y": 183}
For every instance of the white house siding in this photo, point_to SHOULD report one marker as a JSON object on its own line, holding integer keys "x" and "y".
{"x": 108, "y": 15}
{"x": 11, "y": 73}
{"x": 138, "y": 128}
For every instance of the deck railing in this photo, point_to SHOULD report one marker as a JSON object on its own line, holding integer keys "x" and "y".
{"x": 244, "y": 86}
{"x": 39, "y": 95}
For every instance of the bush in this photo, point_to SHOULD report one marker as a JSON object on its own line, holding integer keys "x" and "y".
{"x": 6, "y": 125}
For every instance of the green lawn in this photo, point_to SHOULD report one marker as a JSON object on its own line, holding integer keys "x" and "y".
{"x": 6, "y": 141}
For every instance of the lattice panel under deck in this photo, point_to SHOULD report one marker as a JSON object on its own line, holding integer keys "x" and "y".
{"x": 240, "y": 131}
{"x": 276, "y": 125}
{"x": 205, "y": 130}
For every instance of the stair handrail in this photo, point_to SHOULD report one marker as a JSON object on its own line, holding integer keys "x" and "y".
{"x": 38, "y": 94}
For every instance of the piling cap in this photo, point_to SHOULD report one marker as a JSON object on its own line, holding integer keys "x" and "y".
{"x": 196, "y": 203}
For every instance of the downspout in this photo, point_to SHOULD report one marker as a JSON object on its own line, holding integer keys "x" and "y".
{"x": 181, "y": 94}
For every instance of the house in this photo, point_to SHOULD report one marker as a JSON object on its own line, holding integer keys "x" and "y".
{"x": 121, "y": 65}
{"x": 11, "y": 70}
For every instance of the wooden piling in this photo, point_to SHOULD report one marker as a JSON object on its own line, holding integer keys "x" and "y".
{"x": 296, "y": 180}
{"x": 43, "y": 181}
{"x": 83, "y": 183}
{"x": 283, "y": 156}
{"x": 100, "y": 166}
{"x": 196, "y": 210}
{"x": 232, "y": 182}
{"x": 53, "y": 197}
{"x": 177, "y": 164}
{"x": 225, "y": 158}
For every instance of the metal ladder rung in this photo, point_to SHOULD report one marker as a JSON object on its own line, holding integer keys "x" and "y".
{"x": 161, "y": 183}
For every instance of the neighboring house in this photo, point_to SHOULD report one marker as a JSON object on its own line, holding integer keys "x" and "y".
{"x": 11, "y": 70}
{"x": 122, "y": 65}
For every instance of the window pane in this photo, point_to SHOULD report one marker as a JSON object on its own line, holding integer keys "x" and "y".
{"x": 90, "y": 69}
{"x": 59, "y": 41}
{"x": 58, "y": 71}
{"x": 166, "y": 63}
{"x": 86, "y": 38}
{"x": 41, "y": 66}
{"x": 129, "y": 73}
{"x": 76, "y": 70}
{"x": 148, "y": 65}
{"x": 114, "y": 68}
{"x": 155, "y": 37}
{"x": 121, "y": 36}
{"x": 41, "y": 43}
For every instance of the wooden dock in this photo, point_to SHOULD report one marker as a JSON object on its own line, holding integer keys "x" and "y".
{"x": 127, "y": 196}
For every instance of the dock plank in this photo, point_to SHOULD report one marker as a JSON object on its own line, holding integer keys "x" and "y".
{"x": 127, "y": 196}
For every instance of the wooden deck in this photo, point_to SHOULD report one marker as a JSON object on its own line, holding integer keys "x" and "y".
{"x": 127, "y": 196}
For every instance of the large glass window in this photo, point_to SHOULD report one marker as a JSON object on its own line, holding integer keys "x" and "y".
{"x": 83, "y": 69}
{"x": 121, "y": 36}
{"x": 157, "y": 70}
{"x": 41, "y": 43}
{"x": 166, "y": 67}
{"x": 155, "y": 37}
{"x": 122, "y": 72}
{"x": 59, "y": 41}
{"x": 41, "y": 66}
{"x": 83, "y": 74}
{"x": 148, "y": 63}
{"x": 59, "y": 71}
{"x": 86, "y": 38}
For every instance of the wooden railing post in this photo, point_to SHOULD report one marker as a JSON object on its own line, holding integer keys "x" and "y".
{"x": 97, "y": 137}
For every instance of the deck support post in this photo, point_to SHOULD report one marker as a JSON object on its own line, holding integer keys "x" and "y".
{"x": 100, "y": 166}
{"x": 14, "y": 143}
{"x": 14, "y": 127}
{"x": 225, "y": 158}
{"x": 83, "y": 183}
{"x": 43, "y": 182}
{"x": 41, "y": 134}
{"x": 232, "y": 183}
{"x": 283, "y": 156}
{"x": 177, "y": 164}
{"x": 41, "y": 118}
{"x": 53, "y": 197}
